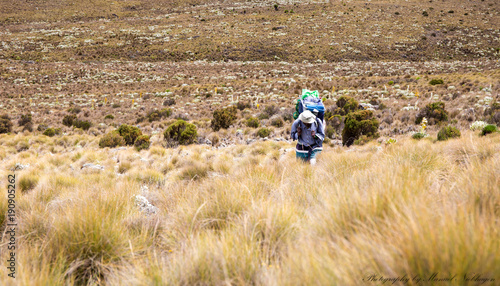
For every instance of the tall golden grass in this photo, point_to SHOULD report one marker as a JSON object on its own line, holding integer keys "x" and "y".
{"x": 254, "y": 215}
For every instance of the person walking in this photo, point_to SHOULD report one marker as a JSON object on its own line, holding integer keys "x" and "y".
{"x": 308, "y": 130}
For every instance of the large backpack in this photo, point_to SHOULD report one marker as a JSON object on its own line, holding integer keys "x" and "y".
{"x": 309, "y": 100}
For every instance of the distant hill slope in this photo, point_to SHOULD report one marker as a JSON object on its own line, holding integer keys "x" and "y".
{"x": 293, "y": 31}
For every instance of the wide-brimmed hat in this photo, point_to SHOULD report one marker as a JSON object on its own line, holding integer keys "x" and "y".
{"x": 307, "y": 117}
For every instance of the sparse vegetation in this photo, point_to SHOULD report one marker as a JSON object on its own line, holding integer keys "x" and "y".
{"x": 448, "y": 132}
{"x": 263, "y": 132}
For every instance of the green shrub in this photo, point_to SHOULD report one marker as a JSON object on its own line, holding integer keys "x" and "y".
{"x": 129, "y": 133}
{"x": 68, "y": 120}
{"x": 142, "y": 142}
{"x": 277, "y": 122}
{"x": 345, "y": 105}
{"x": 109, "y": 116}
{"x": 418, "y": 136}
{"x": 425, "y": 14}
{"x": 5, "y": 124}
{"x": 116, "y": 105}
{"x": 156, "y": 115}
{"x": 490, "y": 128}
{"x": 223, "y": 118}
{"x": 263, "y": 132}
{"x": 112, "y": 140}
{"x": 180, "y": 132}
{"x": 49, "y": 132}
{"x": 83, "y": 124}
{"x": 448, "y": 132}
{"x": 359, "y": 123}
{"x": 25, "y": 119}
{"x": 391, "y": 82}
{"x": 433, "y": 110}
{"x": 253, "y": 122}
{"x": 436, "y": 81}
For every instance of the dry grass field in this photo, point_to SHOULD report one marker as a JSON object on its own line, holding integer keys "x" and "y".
{"x": 150, "y": 142}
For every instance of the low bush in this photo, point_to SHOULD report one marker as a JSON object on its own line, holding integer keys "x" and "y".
{"x": 488, "y": 129}
{"x": 346, "y": 105}
{"x": 253, "y": 122}
{"x": 129, "y": 133}
{"x": 25, "y": 119}
{"x": 448, "y": 132}
{"x": 156, "y": 115}
{"x": 436, "y": 81}
{"x": 112, "y": 140}
{"x": 277, "y": 122}
{"x": 169, "y": 102}
{"x": 434, "y": 111}
{"x": 42, "y": 127}
{"x": 142, "y": 143}
{"x": 68, "y": 120}
{"x": 49, "y": 132}
{"x": 83, "y": 124}
{"x": 263, "y": 132}
{"x": 5, "y": 124}
{"x": 357, "y": 124}
{"x": 109, "y": 116}
{"x": 418, "y": 135}
{"x": 223, "y": 118}
{"x": 180, "y": 132}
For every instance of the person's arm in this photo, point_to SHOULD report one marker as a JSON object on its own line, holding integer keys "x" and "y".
{"x": 295, "y": 130}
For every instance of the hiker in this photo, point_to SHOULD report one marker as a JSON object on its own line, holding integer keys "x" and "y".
{"x": 308, "y": 131}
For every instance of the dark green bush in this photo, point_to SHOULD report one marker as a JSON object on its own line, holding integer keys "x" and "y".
{"x": 83, "y": 124}
{"x": 359, "y": 123}
{"x": 180, "y": 132}
{"x": 25, "y": 119}
{"x": 109, "y": 116}
{"x": 253, "y": 122}
{"x": 5, "y": 124}
{"x": 488, "y": 129}
{"x": 112, "y": 140}
{"x": 49, "y": 132}
{"x": 142, "y": 142}
{"x": 448, "y": 132}
{"x": 436, "y": 81}
{"x": 425, "y": 14}
{"x": 263, "y": 132}
{"x": 129, "y": 133}
{"x": 116, "y": 105}
{"x": 345, "y": 105}
{"x": 68, "y": 120}
{"x": 277, "y": 122}
{"x": 433, "y": 110}
{"x": 418, "y": 136}
{"x": 156, "y": 115}
{"x": 223, "y": 118}
{"x": 75, "y": 110}
{"x": 391, "y": 82}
